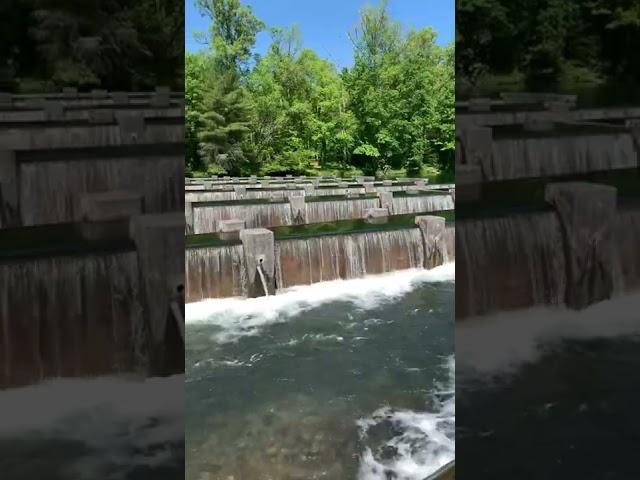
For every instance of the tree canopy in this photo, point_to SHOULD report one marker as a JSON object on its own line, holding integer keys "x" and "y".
{"x": 111, "y": 44}
{"x": 291, "y": 111}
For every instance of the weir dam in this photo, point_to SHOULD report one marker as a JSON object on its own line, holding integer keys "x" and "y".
{"x": 548, "y": 203}
{"x": 91, "y": 202}
{"x": 249, "y": 237}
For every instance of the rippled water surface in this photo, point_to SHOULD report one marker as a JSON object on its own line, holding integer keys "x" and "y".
{"x": 341, "y": 380}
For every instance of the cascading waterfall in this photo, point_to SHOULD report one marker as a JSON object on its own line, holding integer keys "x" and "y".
{"x": 626, "y": 236}
{"x": 331, "y": 211}
{"x": 58, "y": 185}
{"x": 206, "y": 218}
{"x": 539, "y": 157}
{"x": 310, "y": 260}
{"x": 215, "y": 272}
{"x": 422, "y": 203}
{"x": 85, "y": 301}
{"x": 509, "y": 262}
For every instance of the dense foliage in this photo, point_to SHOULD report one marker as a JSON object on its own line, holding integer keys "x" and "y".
{"x": 110, "y": 44}
{"x": 291, "y": 111}
{"x": 547, "y": 41}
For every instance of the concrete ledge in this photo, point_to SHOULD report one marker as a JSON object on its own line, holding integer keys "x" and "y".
{"x": 230, "y": 229}
{"x": 240, "y": 192}
{"x": 120, "y": 98}
{"x": 9, "y": 204}
{"x": 132, "y": 127}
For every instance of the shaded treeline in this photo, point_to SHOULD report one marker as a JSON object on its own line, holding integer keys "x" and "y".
{"x": 547, "y": 42}
{"x": 111, "y": 44}
{"x": 290, "y": 110}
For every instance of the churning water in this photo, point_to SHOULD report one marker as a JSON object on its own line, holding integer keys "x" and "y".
{"x": 569, "y": 379}
{"x": 111, "y": 428}
{"x": 348, "y": 379}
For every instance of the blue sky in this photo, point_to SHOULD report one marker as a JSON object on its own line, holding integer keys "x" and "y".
{"x": 325, "y": 23}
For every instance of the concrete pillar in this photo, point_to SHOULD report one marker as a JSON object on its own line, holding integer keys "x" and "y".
{"x": 469, "y": 182}
{"x": 120, "y": 98}
{"x": 241, "y": 191}
{"x": 376, "y": 215}
{"x": 434, "y": 240}
{"x": 477, "y": 143}
{"x": 386, "y": 201}
{"x": 586, "y": 212}
{"x": 369, "y": 188}
{"x": 106, "y": 215}
{"x": 230, "y": 229}
{"x": 161, "y": 98}
{"x": 132, "y": 127}
{"x": 157, "y": 238}
{"x": 259, "y": 251}
{"x": 9, "y": 199}
{"x": 298, "y": 209}
{"x": 188, "y": 215}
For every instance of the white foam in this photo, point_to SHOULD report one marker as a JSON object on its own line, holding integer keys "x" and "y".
{"x": 109, "y": 414}
{"x": 245, "y": 316}
{"x": 502, "y": 343}
{"x": 425, "y": 445}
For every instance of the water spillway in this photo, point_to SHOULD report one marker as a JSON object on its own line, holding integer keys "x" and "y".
{"x": 306, "y": 254}
{"x": 523, "y": 248}
{"x": 206, "y": 216}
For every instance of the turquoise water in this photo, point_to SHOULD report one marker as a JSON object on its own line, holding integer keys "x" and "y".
{"x": 338, "y": 380}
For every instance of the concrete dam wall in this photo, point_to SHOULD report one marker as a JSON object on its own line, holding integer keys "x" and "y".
{"x": 228, "y": 268}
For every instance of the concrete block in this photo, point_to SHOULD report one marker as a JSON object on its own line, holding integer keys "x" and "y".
{"x": 412, "y": 190}
{"x": 161, "y": 100}
{"x": 157, "y": 238}
{"x": 386, "y": 201}
{"x": 298, "y": 209}
{"x": 102, "y": 117}
{"x": 376, "y": 215}
{"x": 259, "y": 257}
{"x": 477, "y": 145}
{"x": 240, "y": 191}
{"x": 99, "y": 94}
{"x": 70, "y": 93}
{"x": 9, "y": 198}
{"x": 387, "y": 183}
{"x": 434, "y": 241}
{"x": 353, "y": 194}
{"x": 421, "y": 183}
{"x": 132, "y": 127}
{"x": 188, "y": 215}
{"x": 288, "y": 176}
{"x": 369, "y": 188}
{"x": 587, "y": 212}
{"x": 53, "y": 110}
{"x": 193, "y": 187}
{"x": 309, "y": 189}
{"x": 232, "y": 225}
{"x": 120, "y": 98}
{"x": 360, "y": 180}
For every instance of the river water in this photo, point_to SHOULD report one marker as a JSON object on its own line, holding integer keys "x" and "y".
{"x": 568, "y": 379}
{"x": 112, "y": 428}
{"x": 338, "y": 380}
